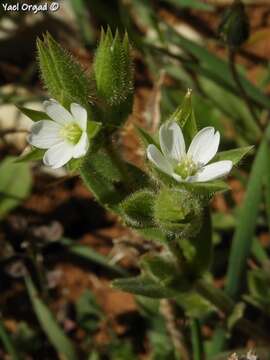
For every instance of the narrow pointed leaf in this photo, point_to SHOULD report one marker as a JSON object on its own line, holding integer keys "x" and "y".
{"x": 55, "y": 334}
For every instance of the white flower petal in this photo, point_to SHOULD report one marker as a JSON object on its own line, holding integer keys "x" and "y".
{"x": 207, "y": 154}
{"x": 57, "y": 112}
{"x": 58, "y": 155}
{"x": 159, "y": 160}
{"x": 204, "y": 145}
{"x": 44, "y": 134}
{"x": 172, "y": 142}
{"x": 212, "y": 171}
{"x": 79, "y": 115}
{"x": 81, "y": 148}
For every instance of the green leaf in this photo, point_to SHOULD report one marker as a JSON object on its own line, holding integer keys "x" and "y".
{"x": 15, "y": 184}
{"x": 8, "y": 343}
{"x": 234, "y": 155}
{"x": 91, "y": 255}
{"x": 161, "y": 268}
{"x": 88, "y": 312}
{"x": 213, "y": 67}
{"x": 33, "y": 155}
{"x": 145, "y": 137}
{"x": 145, "y": 286}
{"x": 194, "y": 304}
{"x": 55, "y": 334}
{"x": 64, "y": 78}
{"x": 194, "y": 4}
{"x": 243, "y": 237}
{"x": 237, "y": 314}
{"x": 34, "y": 115}
{"x": 137, "y": 209}
{"x": 259, "y": 285}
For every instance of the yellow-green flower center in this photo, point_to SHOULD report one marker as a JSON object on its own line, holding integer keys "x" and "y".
{"x": 71, "y": 132}
{"x": 186, "y": 167}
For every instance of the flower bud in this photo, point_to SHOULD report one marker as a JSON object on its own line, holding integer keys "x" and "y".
{"x": 234, "y": 27}
{"x": 178, "y": 211}
{"x": 113, "y": 74}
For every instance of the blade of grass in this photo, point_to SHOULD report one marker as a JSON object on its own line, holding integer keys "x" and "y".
{"x": 197, "y": 342}
{"x": 55, "y": 334}
{"x": 243, "y": 237}
{"x": 8, "y": 343}
{"x": 213, "y": 67}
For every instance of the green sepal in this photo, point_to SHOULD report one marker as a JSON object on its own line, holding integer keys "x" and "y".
{"x": 113, "y": 75}
{"x": 184, "y": 116}
{"x": 113, "y": 68}
{"x": 154, "y": 234}
{"x": 205, "y": 190}
{"x": 145, "y": 137}
{"x": 145, "y": 286}
{"x": 33, "y": 155}
{"x": 74, "y": 164}
{"x": 34, "y": 115}
{"x": 64, "y": 78}
{"x": 93, "y": 128}
{"x": 235, "y": 155}
{"x": 177, "y": 211}
{"x": 137, "y": 209}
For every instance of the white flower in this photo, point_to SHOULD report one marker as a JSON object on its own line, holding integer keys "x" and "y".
{"x": 63, "y": 133}
{"x": 188, "y": 166}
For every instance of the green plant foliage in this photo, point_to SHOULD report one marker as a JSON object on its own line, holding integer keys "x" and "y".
{"x": 177, "y": 211}
{"x": 234, "y": 27}
{"x": 34, "y": 115}
{"x": 113, "y": 69}
{"x": 48, "y": 323}
{"x": 63, "y": 77}
{"x": 235, "y": 155}
{"x": 33, "y": 155}
{"x": 15, "y": 184}
{"x": 143, "y": 285}
{"x": 243, "y": 237}
{"x": 91, "y": 255}
{"x": 201, "y": 259}
{"x": 88, "y": 312}
{"x": 8, "y": 343}
{"x": 184, "y": 116}
{"x": 113, "y": 74}
{"x": 137, "y": 209}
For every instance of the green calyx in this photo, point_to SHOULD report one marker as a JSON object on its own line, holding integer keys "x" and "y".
{"x": 71, "y": 132}
{"x": 113, "y": 69}
{"x": 177, "y": 211}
